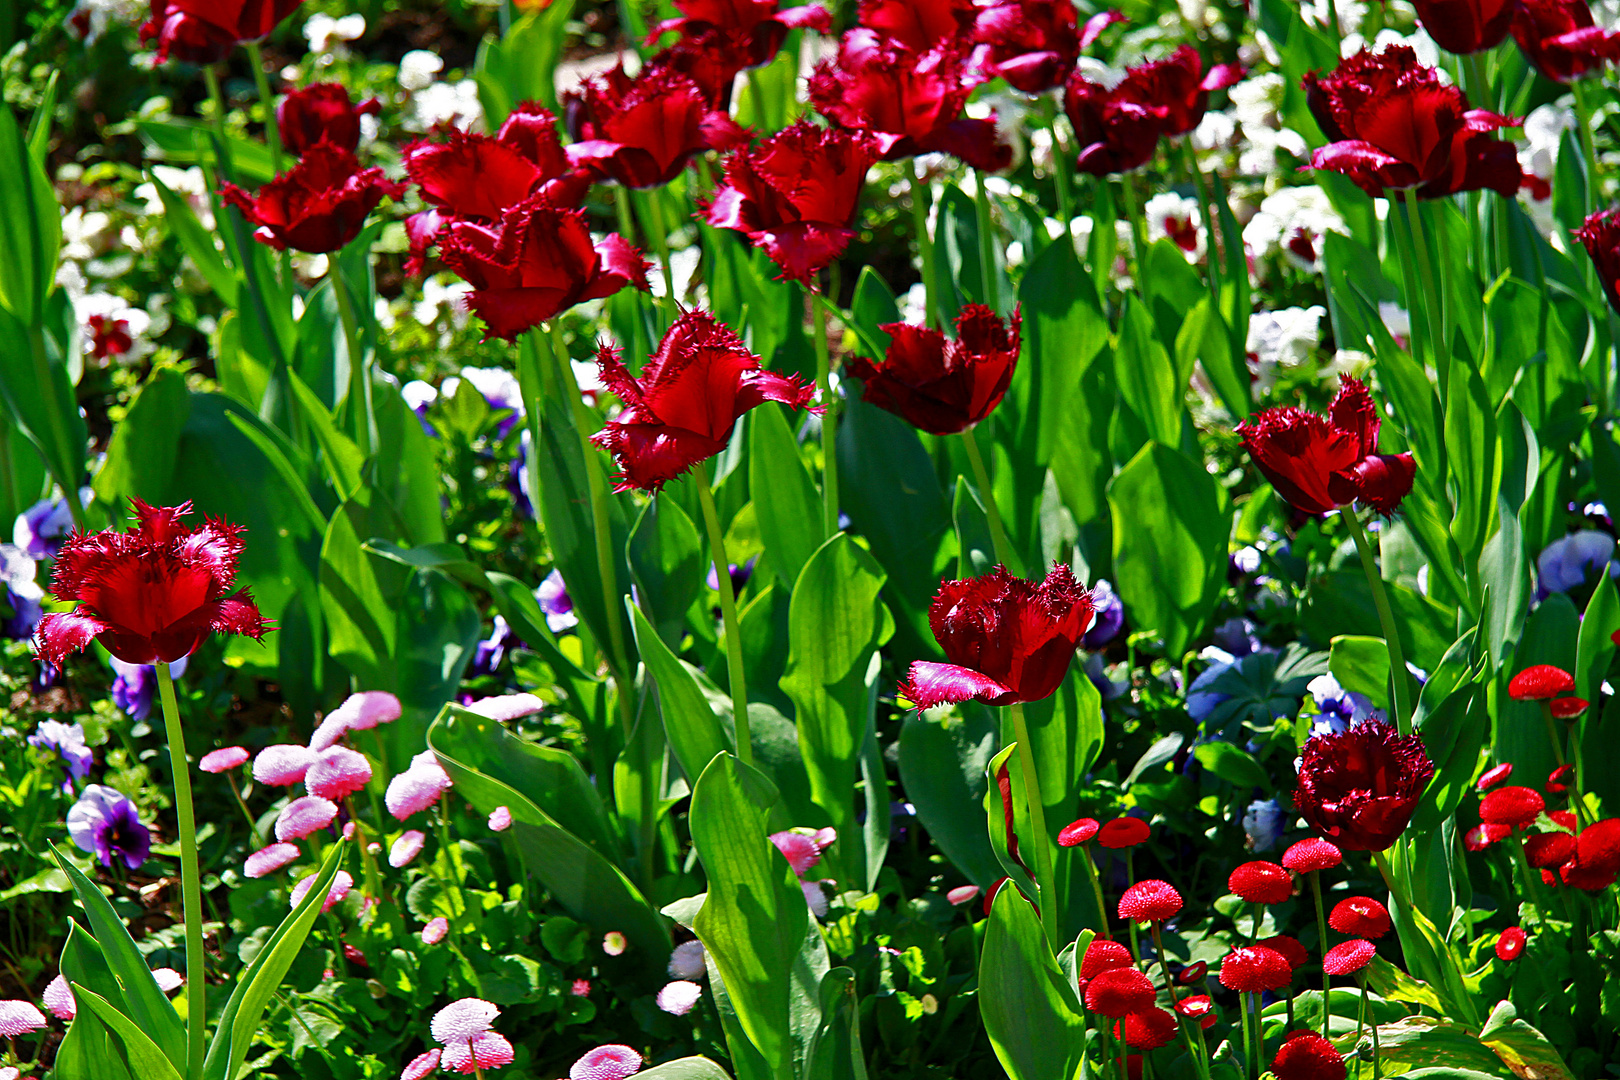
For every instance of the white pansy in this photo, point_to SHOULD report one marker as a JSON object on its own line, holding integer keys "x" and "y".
{"x": 1292, "y": 222}
{"x": 1282, "y": 339}
{"x": 1176, "y": 217}
{"x": 417, "y": 68}
{"x": 445, "y": 103}
{"x": 326, "y": 34}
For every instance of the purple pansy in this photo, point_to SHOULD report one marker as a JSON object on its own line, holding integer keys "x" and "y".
{"x": 105, "y": 823}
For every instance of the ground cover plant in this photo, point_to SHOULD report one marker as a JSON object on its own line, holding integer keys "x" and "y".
{"x": 907, "y": 539}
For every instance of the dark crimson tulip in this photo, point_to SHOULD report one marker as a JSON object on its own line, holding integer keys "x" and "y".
{"x": 151, "y": 594}
{"x": 1033, "y": 44}
{"x": 1393, "y": 124}
{"x": 794, "y": 195}
{"x": 1178, "y": 83}
{"x": 479, "y": 177}
{"x": 641, "y": 132}
{"x": 537, "y": 262}
{"x": 1318, "y": 463}
{"x": 318, "y": 205}
{"x": 1360, "y": 787}
{"x": 1006, "y": 639}
{"x": 1116, "y": 134}
{"x": 1562, "y": 40}
{"x": 938, "y": 384}
{"x": 919, "y": 25}
{"x": 204, "y": 31}
{"x": 322, "y": 112}
{"x": 1600, "y": 235}
{"x": 691, "y": 391}
{"x": 910, "y": 102}
{"x": 1466, "y": 26}
{"x": 748, "y": 32}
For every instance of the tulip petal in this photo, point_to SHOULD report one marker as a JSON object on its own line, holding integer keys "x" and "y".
{"x": 930, "y": 684}
{"x": 61, "y": 633}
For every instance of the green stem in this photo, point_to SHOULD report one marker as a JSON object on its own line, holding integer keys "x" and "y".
{"x": 981, "y": 476}
{"x": 1212, "y": 257}
{"x": 1251, "y": 1057}
{"x": 1361, "y": 1023}
{"x": 638, "y": 344}
{"x": 261, "y": 81}
{"x": 1426, "y": 272}
{"x": 1037, "y": 825}
{"x": 1192, "y": 1033}
{"x": 452, "y": 865}
{"x": 1060, "y": 173}
{"x": 253, "y": 826}
{"x": 1552, "y": 732}
{"x": 1377, "y": 1068}
{"x": 1255, "y": 916}
{"x": 45, "y": 380}
{"x": 1532, "y": 877}
{"x": 1321, "y": 929}
{"x": 1386, "y": 621}
{"x": 756, "y": 96}
{"x": 1139, "y": 243}
{"x": 829, "y": 423}
{"x": 360, "y": 407}
{"x": 217, "y": 96}
{"x": 920, "y": 200}
{"x": 1130, "y": 879}
{"x": 1096, "y": 889}
{"x": 728, "y": 615}
{"x": 987, "y": 243}
{"x": 368, "y": 862}
{"x": 190, "y": 880}
{"x": 652, "y": 199}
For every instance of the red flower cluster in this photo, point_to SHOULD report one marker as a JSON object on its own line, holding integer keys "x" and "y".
{"x": 681, "y": 410}
{"x": 1150, "y": 901}
{"x": 1305, "y": 1055}
{"x": 908, "y": 100}
{"x": 1007, "y": 639}
{"x": 1359, "y": 788}
{"x": 725, "y": 37}
{"x": 1561, "y": 39}
{"x": 318, "y": 205}
{"x": 1391, "y": 123}
{"x": 151, "y": 594}
{"x": 205, "y": 31}
{"x": 1118, "y": 128}
{"x": 1466, "y": 26}
{"x": 919, "y": 25}
{"x": 1318, "y": 463}
{"x": 1034, "y": 44}
{"x": 322, "y": 112}
{"x": 1251, "y": 969}
{"x": 1360, "y": 915}
{"x": 1261, "y": 883}
{"x": 478, "y": 178}
{"x": 641, "y": 132}
{"x": 940, "y": 385}
{"x": 795, "y": 194}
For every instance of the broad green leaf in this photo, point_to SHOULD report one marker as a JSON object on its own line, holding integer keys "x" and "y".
{"x": 1170, "y": 538}
{"x": 359, "y": 593}
{"x": 1204, "y": 337}
{"x": 1147, "y": 377}
{"x": 1262, "y": 686}
{"x": 686, "y": 1068}
{"x": 691, "y": 726}
{"x": 754, "y": 920}
{"x": 976, "y": 553}
{"x": 142, "y": 1001}
{"x": 1393, "y": 984}
{"x": 1361, "y": 664}
{"x": 405, "y": 467}
{"x": 1525, "y": 1050}
{"x": 1006, "y": 811}
{"x": 1473, "y": 458}
{"x": 339, "y": 453}
{"x": 1594, "y": 648}
{"x": 942, "y": 768}
{"x": 788, "y": 506}
{"x": 1550, "y": 637}
{"x": 239, "y": 1022}
{"x": 1340, "y": 602}
{"x": 873, "y": 306}
{"x": 37, "y": 390}
{"x": 145, "y": 1059}
{"x": 519, "y": 65}
{"x": 1023, "y": 999}
{"x": 587, "y": 885}
{"x": 1453, "y": 733}
{"x": 30, "y": 227}
{"x": 197, "y": 242}
{"x": 89, "y": 1051}
{"x": 141, "y": 455}
{"x": 1234, "y": 765}
{"x": 836, "y": 624}
{"x": 1421, "y": 1042}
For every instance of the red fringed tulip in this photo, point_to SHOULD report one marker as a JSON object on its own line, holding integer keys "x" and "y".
{"x": 205, "y": 31}
{"x": 1305, "y": 1055}
{"x": 151, "y": 594}
{"x": 1359, "y": 788}
{"x": 318, "y": 205}
{"x": 1118, "y": 992}
{"x": 1124, "y": 832}
{"x": 1466, "y": 26}
{"x": 1006, "y": 639}
{"x": 479, "y": 177}
{"x": 1118, "y": 127}
{"x": 690, "y": 393}
{"x": 795, "y": 195}
{"x": 1150, "y": 901}
{"x": 1348, "y": 957}
{"x": 1261, "y": 883}
{"x": 1392, "y": 123}
{"x": 1600, "y": 235}
{"x": 1541, "y": 682}
{"x": 919, "y": 25}
{"x": 909, "y": 102}
{"x": 1312, "y": 854}
{"x": 1033, "y": 44}
{"x": 1179, "y": 86}
{"x": 641, "y": 132}
{"x": 322, "y": 112}
{"x": 938, "y": 384}
{"x": 1078, "y": 832}
{"x": 747, "y": 33}
{"x": 1318, "y": 463}
{"x": 1510, "y": 946}
{"x": 1561, "y": 39}
{"x": 1515, "y": 807}
{"x": 1360, "y": 915}
{"x": 538, "y": 262}
{"x": 1251, "y": 969}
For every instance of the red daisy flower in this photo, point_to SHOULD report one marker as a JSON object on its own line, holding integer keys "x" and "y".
{"x": 1360, "y": 915}
{"x": 1261, "y": 882}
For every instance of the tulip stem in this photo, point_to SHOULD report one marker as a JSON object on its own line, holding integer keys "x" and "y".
{"x": 1139, "y": 243}
{"x": 829, "y": 422}
{"x": 728, "y": 615}
{"x": 217, "y": 96}
{"x": 981, "y": 476}
{"x": 360, "y": 409}
{"x": 1386, "y": 621}
{"x": 190, "y": 882}
{"x": 1212, "y": 257}
{"x": 1321, "y": 929}
{"x": 990, "y": 288}
{"x": 1434, "y": 301}
{"x": 1060, "y": 174}
{"x": 1037, "y": 825}
{"x": 659, "y": 237}
{"x": 261, "y": 81}
{"x": 920, "y": 199}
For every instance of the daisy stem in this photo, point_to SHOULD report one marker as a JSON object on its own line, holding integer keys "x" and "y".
{"x": 728, "y": 615}
{"x": 1130, "y": 879}
{"x": 1361, "y": 1023}
{"x": 1255, "y": 917}
{"x": 190, "y": 883}
{"x": 992, "y": 513}
{"x": 829, "y": 422}
{"x": 1251, "y": 1060}
{"x": 1552, "y": 732}
{"x": 1037, "y": 825}
{"x": 1321, "y": 929}
{"x": 360, "y": 409}
{"x": 920, "y": 199}
{"x": 1096, "y": 889}
{"x": 1191, "y": 1033}
{"x": 990, "y": 288}
{"x": 253, "y": 826}
{"x": 1386, "y": 621}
